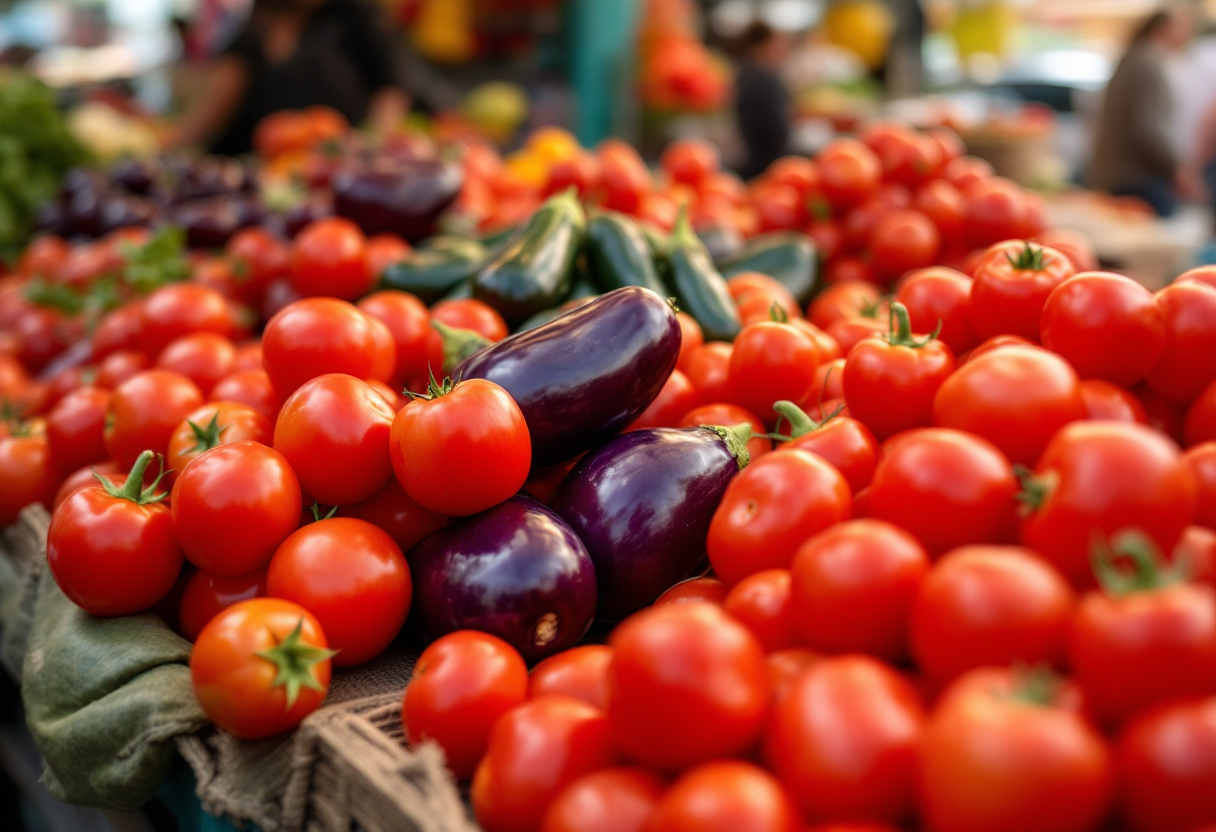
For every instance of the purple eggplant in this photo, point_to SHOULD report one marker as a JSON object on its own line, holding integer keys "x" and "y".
{"x": 516, "y": 571}
{"x": 210, "y": 222}
{"x": 313, "y": 207}
{"x": 120, "y": 209}
{"x": 210, "y": 176}
{"x": 582, "y": 377}
{"x": 642, "y": 505}
{"x": 403, "y": 198}
{"x": 136, "y": 176}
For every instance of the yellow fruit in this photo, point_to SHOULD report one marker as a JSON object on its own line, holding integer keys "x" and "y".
{"x": 528, "y": 167}
{"x": 553, "y": 144}
{"x": 863, "y": 27}
{"x": 444, "y": 31}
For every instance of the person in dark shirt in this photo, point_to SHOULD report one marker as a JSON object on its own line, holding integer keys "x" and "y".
{"x": 762, "y": 103}
{"x": 293, "y": 54}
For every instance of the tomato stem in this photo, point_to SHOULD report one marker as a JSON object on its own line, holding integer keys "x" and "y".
{"x": 1148, "y": 570}
{"x": 1034, "y": 684}
{"x": 1036, "y": 488}
{"x": 777, "y": 313}
{"x": 736, "y": 438}
{"x": 317, "y": 516}
{"x": 899, "y": 329}
{"x": 1028, "y": 259}
{"x": 434, "y": 389}
{"x": 207, "y": 437}
{"x": 674, "y": 303}
{"x": 800, "y": 422}
{"x": 133, "y": 489}
{"x": 295, "y": 660}
{"x": 458, "y": 344}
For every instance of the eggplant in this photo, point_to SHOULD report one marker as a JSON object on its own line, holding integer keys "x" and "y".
{"x": 403, "y": 198}
{"x": 136, "y": 176}
{"x": 211, "y": 221}
{"x": 313, "y": 207}
{"x": 582, "y": 377}
{"x": 120, "y": 209}
{"x": 516, "y": 571}
{"x": 431, "y": 271}
{"x": 208, "y": 177}
{"x": 642, "y": 505}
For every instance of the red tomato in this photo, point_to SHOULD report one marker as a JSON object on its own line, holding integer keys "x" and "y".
{"x": 315, "y": 336}
{"x": 202, "y": 357}
{"x": 843, "y": 741}
{"x": 996, "y": 209}
{"x": 858, "y": 225}
{"x": 725, "y": 796}
{"x": 1201, "y": 459}
{"x": 1188, "y": 361}
{"x": 392, "y": 510}
{"x": 853, "y": 588}
{"x": 210, "y": 426}
{"x": 708, "y": 589}
{"x": 260, "y": 667}
{"x": 690, "y": 160}
{"x": 729, "y": 415}
{"x": 1106, "y": 325}
{"x": 180, "y": 309}
{"x": 581, "y": 171}
{"x": 771, "y": 361}
{"x": 352, "y": 577}
{"x": 467, "y": 313}
{"x": 580, "y": 672}
{"x": 828, "y": 238}
{"x": 750, "y": 289}
{"x": 463, "y": 682}
{"x": 408, "y": 321}
{"x": 829, "y": 350}
{"x": 383, "y": 250}
{"x": 624, "y": 178}
{"x": 28, "y": 474}
{"x": 778, "y": 207}
{"x": 966, "y": 171}
{"x": 912, "y": 162}
{"x": 1200, "y": 422}
{"x": 610, "y": 800}
{"x": 1103, "y": 477}
{"x": 251, "y": 388}
{"x": 902, "y": 241}
{"x": 762, "y": 603}
{"x": 785, "y": 666}
{"x": 1205, "y": 275}
{"x": 848, "y": 268}
{"x": 845, "y": 300}
{"x": 797, "y": 171}
{"x": 770, "y": 508}
{"x": 1166, "y": 762}
{"x": 843, "y": 442}
{"x": 112, "y": 551}
{"x": 206, "y": 595}
{"x": 384, "y": 352}
{"x": 986, "y": 606}
{"x": 691, "y": 338}
{"x": 1106, "y": 402}
{"x": 946, "y": 487}
{"x": 75, "y": 429}
{"x": 849, "y": 332}
{"x": 708, "y": 368}
{"x": 144, "y": 412}
{"x": 676, "y": 397}
{"x": 940, "y": 295}
{"x": 680, "y": 668}
{"x": 948, "y": 142}
{"x": 43, "y": 255}
{"x": 258, "y": 258}
{"x": 117, "y": 330}
{"x": 119, "y": 366}
{"x": 1011, "y": 284}
{"x": 1007, "y": 753}
{"x": 849, "y": 172}
{"x": 329, "y": 258}
{"x": 335, "y": 433}
{"x": 535, "y": 751}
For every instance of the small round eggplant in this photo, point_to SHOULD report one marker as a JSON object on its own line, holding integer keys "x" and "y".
{"x": 135, "y": 176}
{"x": 121, "y": 209}
{"x": 404, "y": 198}
{"x": 209, "y": 222}
{"x": 642, "y": 505}
{"x": 516, "y": 571}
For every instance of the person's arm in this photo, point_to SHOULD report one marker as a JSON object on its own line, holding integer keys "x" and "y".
{"x": 223, "y": 89}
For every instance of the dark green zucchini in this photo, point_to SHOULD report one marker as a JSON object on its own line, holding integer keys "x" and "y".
{"x": 433, "y": 271}
{"x": 699, "y": 288}
{"x": 786, "y": 256}
{"x": 619, "y": 255}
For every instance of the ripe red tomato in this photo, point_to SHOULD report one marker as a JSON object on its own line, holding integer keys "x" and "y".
{"x": 119, "y": 366}
{"x": 408, "y": 321}
{"x": 983, "y": 606}
{"x": 771, "y": 361}
{"x": 778, "y": 207}
{"x": 676, "y": 397}
{"x": 202, "y": 357}
{"x": 944, "y": 205}
{"x": 902, "y": 241}
{"x": 725, "y": 796}
{"x": 1010, "y": 287}
{"x": 853, "y": 588}
{"x": 210, "y": 426}
{"x": 755, "y": 294}
{"x": 843, "y": 442}
{"x": 463, "y": 682}
{"x": 796, "y": 171}
{"x": 180, "y": 309}
{"x": 251, "y": 388}
{"x": 75, "y": 428}
{"x": 1103, "y": 477}
{"x": 995, "y": 211}
{"x": 1200, "y": 422}
{"x": 28, "y": 474}
{"x": 144, "y": 412}
{"x": 466, "y": 313}
{"x": 828, "y": 238}
{"x": 849, "y": 172}
{"x": 260, "y": 667}
{"x": 315, "y": 336}
{"x": 535, "y": 751}
{"x": 691, "y": 337}
{"x": 940, "y": 295}
{"x": 384, "y": 352}
{"x": 352, "y": 577}
{"x": 858, "y": 225}
{"x": 762, "y": 603}
{"x": 677, "y": 669}
{"x": 690, "y": 160}
{"x": 843, "y": 741}
{"x": 965, "y": 171}
{"x": 708, "y": 589}
{"x": 1188, "y": 361}
{"x": 1007, "y": 752}
{"x": 1166, "y": 761}
{"x": 1201, "y": 459}
{"x": 206, "y": 595}
{"x": 611, "y": 800}
{"x": 334, "y": 431}
{"x": 580, "y": 672}
{"x": 624, "y": 177}
{"x": 329, "y": 258}
{"x": 383, "y": 250}
{"x": 770, "y": 508}
{"x": 847, "y": 268}
{"x": 846, "y": 300}
{"x": 392, "y": 510}
{"x": 947, "y": 488}
{"x": 1108, "y": 326}
{"x": 729, "y": 416}
{"x": 258, "y": 258}
{"x": 1205, "y": 275}
{"x": 913, "y": 161}
{"x": 581, "y": 171}
{"x": 1110, "y": 403}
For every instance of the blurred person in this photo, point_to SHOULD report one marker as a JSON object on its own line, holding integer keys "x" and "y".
{"x": 762, "y": 102}
{"x": 293, "y": 54}
{"x": 1135, "y": 149}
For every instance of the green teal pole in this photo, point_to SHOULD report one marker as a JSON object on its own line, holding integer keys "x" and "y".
{"x": 601, "y": 40}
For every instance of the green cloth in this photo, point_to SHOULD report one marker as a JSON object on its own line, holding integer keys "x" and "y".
{"x": 104, "y": 698}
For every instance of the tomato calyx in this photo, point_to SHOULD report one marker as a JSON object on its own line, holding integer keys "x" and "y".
{"x": 777, "y": 314}
{"x": 434, "y": 389}
{"x": 800, "y": 422}
{"x": 1028, "y": 259}
{"x": 133, "y": 489}
{"x": 209, "y": 435}
{"x": 1034, "y": 685}
{"x": 458, "y": 344}
{"x": 317, "y": 516}
{"x": 899, "y": 331}
{"x": 295, "y": 660}
{"x": 1036, "y": 488}
{"x": 736, "y": 438}
{"x": 1148, "y": 570}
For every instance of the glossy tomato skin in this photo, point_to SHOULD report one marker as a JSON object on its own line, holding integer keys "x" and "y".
{"x": 725, "y": 796}
{"x": 763, "y": 603}
{"x": 179, "y": 309}
{"x": 708, "y": 368}
{"x": 843, "y": 300}
{"x": 1108, "y": 326}
{"x": 1106, "y": 476}
{"x": 843, "y": 741}
{"x": 1008, "y": 300}
{"x": 890, "y": 386}
{"x": 580, "y": 672}
{"x": 329, "y": 258}
{"x": 676, "y": 397}
{"x": 991, "y": 761}
{"x": 1017, "y": 398}
{"x": 1199, "y": 424}
{"x": 1201, "y": 459}
{"x": 729, "y": 415}
{"x": 144, "y": 411}
{"x": 771, "y": 361}
{"x": 853, "y": 588}
{"x": 706, "y": 588}
{"x": 989, "y": 606}
{"x": 119, "y": 366}
{"x": 408, "y": 321}
{"x": 236, "y": 687}
{"x": 1188, "y": 361}
{"x": 901, "y": 241}
{"x": 1166, "y": 762}
{"x": 75, "y": 428}
{"x": 465, "y": 313}
{"x": 847, "y": 445}
{"x": 940, "y": 294}
{"x": 315, "y": 336}
{"x": 677, "y": 669}
{"x": 535, "y": 751}
{"x": 849, "y": 172}
{"x": 995, "y": 211}
{"x": 1106, "y": 402}
{"x": 619, "y": 799}
{"x": 233, "y": 423}
{"x": 234, "y": 507}
{"x": 463, "y": 682}
{"x": 352, "y": 577}
{"x": 947, "y": 488}
{"x": 28, "y": 475}
{"x": 943, "y": 203}
{"x": 334, "y": 431}
{"x": 204, "y": 595}
{"x": 202, "y": 357}
{"x": 249, "y": 387}
{"x": 392, "y": 510}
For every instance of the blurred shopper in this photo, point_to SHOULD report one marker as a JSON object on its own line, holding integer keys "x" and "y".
{"x": 1136, "y": 151}
{"x": 762, "y": 102}
{"x": 293, "y": 54}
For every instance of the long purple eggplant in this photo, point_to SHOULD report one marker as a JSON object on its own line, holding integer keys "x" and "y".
{"x": 516, "y": 571}
{"x": 642, "y": 506}
{"x": 585, "y": 375}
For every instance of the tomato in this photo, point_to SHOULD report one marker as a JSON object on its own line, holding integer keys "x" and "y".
{"x": 580, "y": 672}
{"x": 912, "y": 162}
{"x": 845, "y": 300}
{"x": 535, "y": 751}
{"x": 210, "y": 426}
{"x": 843, "y": 741}
{"x": 1017, "y": 398}
{"x": 144, "y": 412}
{"x": 119, "y": 366}
{"x": 966, "y": 171}
{"x": 251, "y": 388}
{"x": 180, "y": 309}
{"x": 260, "y": 667}
{"x": 890, "y": 382}
{"x": 849, "y": 268}
{"x": 729, "y": 415}
{"x": 858, "y": 225}
{"x": 1145, "y": 637}
{"x": 680, "y": 668}
{"x": 315, "y": 336}
{"x": 467, "y": 313}
{"x": 581, "y": 171}
{"x": 207, "y": 595}
{"x": 42, "y": 334}
{"x": 1111, "y": 403}
{"x": 902, "y": 241}
{"x": 946, "y": 487}
{"x": 676, "y": 397}
{"x": 708, "y": 589}
{"x": 849, "y": 172}
{"x": 1072, "y": 244}
{"x": 690, "y": 160}
{"x": 382, "y": 251}
{"x": 329, "y": 258}
{"x": 691, "y": 337}
{"x": 940, "y": 295}
{"x": 408, "y": 322}
{"x": 1106, "y": 325}
{"x": 384, "y": 352}
{"x": 762, "y": 603}
{"x": 43, "y": 255}
{"x": 258, "y": 258}
{"x": 828, "y": 238}
{"x": 610, "y": 800}
{"x": 1008, "y": 752}
{"x": 1011, "y": 284}
{"x": 1196, "y": 550}
{"x": 334, "y": 431}
{"x": 623, "y": 176}
{"x": 725, "y": 796}
{"x": 1204, "y": 275}
{"x": 28, "y": 474}
{"x": 1201, "y": 460}
{"x": 844, "y": 442}
{"x": 352, "y": 577}
{"x": 849, "y": 332}
{"x": 995, "y": 211}
{"x": 392, "y": 510}
{"x": 948, "y": 142}
{"x": 1166, "y": 763}
{"x": 112, "y": 551}
{"x": 748, "y": 288}
{"x": 829, "y": 350}
{"x": 75, "y": 429}
{"x": 462, "y": 683}
{"x": 770, "y": 508}
{"x": 1103, "y": 477}
{"x": 83, "y": 477}
{"x": 1188, "y": 361}
{"x": 853, "y": 588}
{"x": 1200, "y": 421}
{"x": 986, "y": 606}
{"x": 771, "y": 361}
{"x": 785, "y": 666}
{"x": 778, "y": 207}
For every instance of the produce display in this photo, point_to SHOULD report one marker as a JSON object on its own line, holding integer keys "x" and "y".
{"x": 892, "y": 510}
